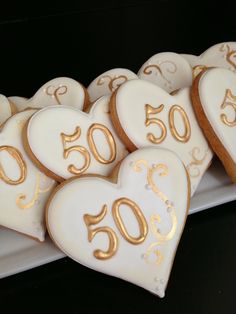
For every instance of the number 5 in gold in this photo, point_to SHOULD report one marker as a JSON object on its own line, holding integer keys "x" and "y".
{"x": 113, "y": 240}
{"x": 80, "y": 149}
{"x": 150, "y": 111}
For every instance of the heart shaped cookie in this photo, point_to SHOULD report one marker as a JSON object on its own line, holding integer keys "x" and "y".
{"x": 128, "y": 227}
{"x": 221, "y": 55}
{"x": 107, "y": 83}
{"x": 59, "y": 91}
{"x": 214, "y": 100}
{"x": 23, "y": 188}
{"x": 168, "y": 70}
{"x": 146, "y": 115}
{"x": 7, "y": 109}
{"x": 76, "y": 142}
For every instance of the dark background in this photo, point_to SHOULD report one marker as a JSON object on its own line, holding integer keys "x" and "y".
{"x": 81, "y": 39}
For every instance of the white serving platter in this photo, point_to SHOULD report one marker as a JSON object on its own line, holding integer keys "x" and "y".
{"x": 19, "y": 253}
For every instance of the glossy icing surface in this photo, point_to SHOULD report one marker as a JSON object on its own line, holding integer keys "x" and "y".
{"x": 220, "y": 55}
{"x": 58, "y": 91}
{"x": 129, "y": 229}
{"x": 76, "y": 142}
{"x": 149, "y": 116}
{"x": 108, "y": 82}
{"x": 5, "y": 109}
{"x": 23, "y": 188}
{"x": 217, "y": 92}
{"x": 168, "y": 70}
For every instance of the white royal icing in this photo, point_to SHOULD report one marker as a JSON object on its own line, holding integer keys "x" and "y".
{"x": 107, "y": 83}
{"x": 5, "y": 109}
{"x": 168, "y": 70}
{"x": 155, "y": 180}
{"x": 131, "y": 101}
{"x": 22, "y": 204}
{"x": 58, "y": 91}
{"x": 220, "y": 55}
{"x": 218, "y": 86}
{"x": 46, "y": 143}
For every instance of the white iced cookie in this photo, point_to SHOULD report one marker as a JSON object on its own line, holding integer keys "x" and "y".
{"x": 168, "y": 70}
{"x": 146, "y": 115}
{"x": 76, "y": 142}
{"x": 221, "y": 55}
{"x": 214, "y": 100}
{"x": 59, "y": 91}
{"x": 24, "y": 190}
{"x": 6, "y": 109}
{"x": 107, "y": 83}
{"x": 129, "y": 226}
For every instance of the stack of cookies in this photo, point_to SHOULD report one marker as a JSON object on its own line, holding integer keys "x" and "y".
{"x": 110, "y": 170}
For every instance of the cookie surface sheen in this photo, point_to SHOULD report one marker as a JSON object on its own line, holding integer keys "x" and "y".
{"x": 58, "y": 91}
{"x": 130, "y": 228}
{"x": 220, "y": 55}
{"x": 108, "y": 82}
{"x": 76, "y": 142}
{"x": 168, "y": 70}
{"x": 5, "y": 109}
{"x": 146, "y": 115}
{"x": 217, "y": 93}
{"x": 23, "y": 188}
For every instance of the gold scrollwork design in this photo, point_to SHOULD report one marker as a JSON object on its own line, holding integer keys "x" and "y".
{"x": 230, "y": 54}
{"x": 229, "y": 101}
{"x": 153, "y": 249}
{"x": 113, "y": 82}
{"x": 154, "y": 68}
{"x": 192, "y": 168}
{"x": 56, "y": 92}
{"x": 38, "y": 190}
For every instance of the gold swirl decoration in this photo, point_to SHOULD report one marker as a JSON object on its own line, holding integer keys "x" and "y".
{"x": 154, "y": 248}
{"x": 230, "y": 55}
{"x": 158, "y": 69}
{"x": 192, "y": 168}
{"x": 56, "y": 92}
{"x": 38, "y": 190}
{"x": 113, "y": 82}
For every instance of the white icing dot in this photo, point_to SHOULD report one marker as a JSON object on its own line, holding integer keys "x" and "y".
{"x": 143, "y": 256}
{"x": 147, "y": 187}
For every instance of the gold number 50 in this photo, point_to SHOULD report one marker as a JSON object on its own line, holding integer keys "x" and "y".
{"x": 84, "y": 152}
{"x": 112, "y": 237}
{"x": 150, "y": 120}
